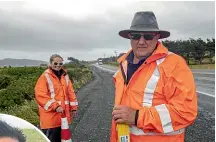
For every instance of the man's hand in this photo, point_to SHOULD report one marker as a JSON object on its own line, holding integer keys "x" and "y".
{"x": 124, "y": 114}
{"x": 60, "y": 109}
{"x": 73, "y": 113}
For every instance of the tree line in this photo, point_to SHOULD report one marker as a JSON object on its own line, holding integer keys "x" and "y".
{"x": 194, "y": 51}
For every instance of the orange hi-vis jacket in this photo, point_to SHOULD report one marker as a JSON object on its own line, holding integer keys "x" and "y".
{"x": 51, "y": 92}
{"x": 164, "y": 92}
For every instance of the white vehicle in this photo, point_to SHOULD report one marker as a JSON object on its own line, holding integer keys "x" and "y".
{"x": 100, "y": 62}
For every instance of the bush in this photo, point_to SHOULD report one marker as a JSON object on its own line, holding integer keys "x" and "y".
{"x": 26, "y": 112}
{"x": 17, "y": 92}
{"x": 11, "y": 97}
{"x": 26, "y": 85}
{"x": 80, "y": 76}
{"x": 17, "y": 89}
{"x": 19, "y": 71}
{"x": 5, "y": 81}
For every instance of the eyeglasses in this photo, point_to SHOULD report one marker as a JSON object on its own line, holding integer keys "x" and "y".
{"x": 146, "y": 36}
{"x": 60, "y": 64}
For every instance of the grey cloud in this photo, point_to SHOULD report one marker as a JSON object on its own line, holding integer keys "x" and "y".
{"x": 40, "y": 32}
{"x": 45, "y": 32}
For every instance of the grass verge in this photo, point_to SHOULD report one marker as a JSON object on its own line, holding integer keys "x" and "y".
{"x": 33, "y": 135}
{"x": 202, "y": 66}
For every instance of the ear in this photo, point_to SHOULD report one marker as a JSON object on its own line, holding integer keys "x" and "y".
{"x": 158, "y": 36}
{"x": 129, "y": 35}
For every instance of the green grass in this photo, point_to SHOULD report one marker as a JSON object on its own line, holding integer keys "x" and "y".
{"x": 17, "y": 89}
{"x": 112, "y": 63}
{"x": 203, "y": 66}
{"x": 33, "y": 135}
{"x": 204, "y": 61}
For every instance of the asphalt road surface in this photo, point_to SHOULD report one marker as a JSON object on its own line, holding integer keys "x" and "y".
{"x": 205, "y": 79}
{"x": 95, "y": 108}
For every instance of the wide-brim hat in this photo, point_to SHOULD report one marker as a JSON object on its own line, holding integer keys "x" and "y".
{"x": 144, "y": 22}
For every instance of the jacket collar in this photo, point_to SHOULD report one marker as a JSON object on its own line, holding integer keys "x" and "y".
{"x": 49, "y": 71}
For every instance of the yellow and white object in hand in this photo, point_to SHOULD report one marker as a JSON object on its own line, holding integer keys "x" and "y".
{"x": 123, "y": 133}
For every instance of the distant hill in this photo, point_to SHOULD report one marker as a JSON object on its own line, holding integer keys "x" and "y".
{"x": 21, "y": 62}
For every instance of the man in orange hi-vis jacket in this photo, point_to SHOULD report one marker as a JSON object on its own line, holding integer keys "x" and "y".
{"x": 55, "y": 95}
{"x": 155, "y": 89}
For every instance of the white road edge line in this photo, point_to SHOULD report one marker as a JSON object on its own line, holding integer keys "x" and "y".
{"x": 207, "y": 94}
{"x": 112, "y": 71}
{"x": 203, "y": 93}
{"x": 210, "y": 73}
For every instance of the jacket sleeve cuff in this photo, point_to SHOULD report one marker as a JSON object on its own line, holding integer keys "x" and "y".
{"x": 55, "y": 106}
{"x": 73, "y": 105}
{"x": 136, "y": 117}
{"x": 144, "y": 119}
{"x": 141, "y": 118}
{"x": 73, "y": 108}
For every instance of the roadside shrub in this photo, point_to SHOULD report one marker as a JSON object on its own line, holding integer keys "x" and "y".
{"x": 20, "y": 71}
{"x": 25, "y": 112}
{"x": 5, "y": 81}
{"x": 11, "y": 97}
{"x": 17, "y": 89}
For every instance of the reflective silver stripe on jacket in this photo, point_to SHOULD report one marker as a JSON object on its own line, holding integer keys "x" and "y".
{"x": 136, "y": 131}
{"x": 151, "y": 84}
{"x": 49, "y": 103}
{"x": 67, "y": 103}
{"x": 165, "y": 118}
{"x": 52, "y": 93}
{"x": 73, "y": 103}
{"x": 161, "y": 109}
{"x": 116, "y": 73}
{"x": 50, "y": 85}
{"x": 67, "y": 79}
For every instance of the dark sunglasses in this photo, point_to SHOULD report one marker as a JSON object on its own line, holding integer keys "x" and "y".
{"x": 60, "y": 64}
{"x": 146, "y": 36}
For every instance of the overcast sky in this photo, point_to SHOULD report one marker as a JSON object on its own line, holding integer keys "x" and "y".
{"x": 87, "y": 30}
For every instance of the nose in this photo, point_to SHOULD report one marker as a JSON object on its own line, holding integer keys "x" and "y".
{"x": 141, "y": 40}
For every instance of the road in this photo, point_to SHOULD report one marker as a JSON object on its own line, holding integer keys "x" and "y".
{"x": 205, "y": 79}
{"x": 96, "y": 103}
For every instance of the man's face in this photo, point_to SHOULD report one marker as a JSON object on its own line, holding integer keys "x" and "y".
{"x": 7, "y": 139}
{"x": 143, "y": 43}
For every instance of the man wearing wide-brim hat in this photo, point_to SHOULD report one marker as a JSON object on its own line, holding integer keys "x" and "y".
{"x": 155, "y": 92}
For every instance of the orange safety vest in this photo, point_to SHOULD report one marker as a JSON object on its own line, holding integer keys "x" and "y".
{"x": 50, "y": 92}
{"x": 163, "y": 90}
